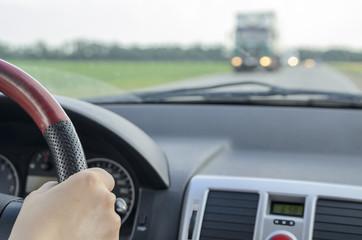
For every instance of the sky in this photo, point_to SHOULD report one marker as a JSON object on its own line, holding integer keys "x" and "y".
{"x": 307, "y": 23}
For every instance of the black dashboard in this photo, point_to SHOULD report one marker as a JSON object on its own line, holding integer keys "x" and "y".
{"x": 289, "y": 166}
{"x": 24, "y": 149}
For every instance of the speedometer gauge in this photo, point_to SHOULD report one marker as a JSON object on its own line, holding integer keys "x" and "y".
{"x": 8, "y": 177}
{"x": 124, "y": 187}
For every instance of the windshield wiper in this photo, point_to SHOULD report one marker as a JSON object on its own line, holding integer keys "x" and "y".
{"x": 272, "y": 95}
{"x": 209, "y": 95}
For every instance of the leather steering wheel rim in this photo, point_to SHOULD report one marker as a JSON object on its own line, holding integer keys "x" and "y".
{"x": 49, "y": 116}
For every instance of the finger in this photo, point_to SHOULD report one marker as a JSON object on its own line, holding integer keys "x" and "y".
{"x": 46, "y": 186}
{"x": 106, "y": 178}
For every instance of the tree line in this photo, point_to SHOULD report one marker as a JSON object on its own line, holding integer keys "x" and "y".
{"x": 88, "y": 50}
{"x": 331, "y": 55}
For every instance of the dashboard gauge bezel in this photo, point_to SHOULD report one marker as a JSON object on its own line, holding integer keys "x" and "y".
{"x": 15, "y": 173}
{"x": 129, "y": 177}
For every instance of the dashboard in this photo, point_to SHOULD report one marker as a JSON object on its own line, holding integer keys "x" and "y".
{"x": 214, "y": 171}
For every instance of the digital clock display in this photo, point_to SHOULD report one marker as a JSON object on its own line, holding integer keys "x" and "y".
{"x": 287, "y": 209}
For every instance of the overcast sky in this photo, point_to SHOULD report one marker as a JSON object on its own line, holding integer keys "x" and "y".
{"x": 307, "y": 23}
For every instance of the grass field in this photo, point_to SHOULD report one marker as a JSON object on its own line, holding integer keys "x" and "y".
{"x": 348, "y": 67}
{"x": 353, "y": 70}
{"x": 83, "y": 79}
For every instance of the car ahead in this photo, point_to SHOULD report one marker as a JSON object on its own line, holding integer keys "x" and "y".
{"x": 196, "y": 150}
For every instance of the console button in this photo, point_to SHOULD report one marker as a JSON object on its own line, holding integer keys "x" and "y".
{"x": 276, "y": 221}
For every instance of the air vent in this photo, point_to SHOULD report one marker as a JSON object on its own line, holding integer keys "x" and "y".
{"x": 337, "y": 220}
{"x": 229, "y": 215}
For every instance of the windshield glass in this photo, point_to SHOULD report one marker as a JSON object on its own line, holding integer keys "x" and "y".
{"x": 252, "y": 36}
{"x": 92, "y": 49}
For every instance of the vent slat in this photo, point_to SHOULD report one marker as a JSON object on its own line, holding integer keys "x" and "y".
{"x": 335, "y": 236}
{"x": 228, "y": 218}
{"x": 339, "y": 228}
{"x": 229, "y": 215}
{"x": 231, "y": 210}
{"x": 339, "y": 204}
{"x": 232, "y": 203}
{"x": 339, "y": 212}
{"x": 336, "y": 220}
{"x": 217, "y": 234}
{"x": 233, "y": 195}
{"x": 228, "y": 226}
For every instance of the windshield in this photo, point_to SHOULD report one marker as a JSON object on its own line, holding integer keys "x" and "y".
{"x": 93, "y": 49}
{"x": 251, "y": 36}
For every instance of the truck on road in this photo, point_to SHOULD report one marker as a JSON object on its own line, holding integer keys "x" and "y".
{"x": 255, "y": 42}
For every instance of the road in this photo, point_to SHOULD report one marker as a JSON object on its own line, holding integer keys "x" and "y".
{"x": 321, "y": 77}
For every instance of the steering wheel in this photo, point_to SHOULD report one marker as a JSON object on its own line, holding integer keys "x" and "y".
{"x": 55, "y": 126}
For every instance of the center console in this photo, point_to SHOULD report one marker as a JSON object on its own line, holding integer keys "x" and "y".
{"x": 270, "y": 209}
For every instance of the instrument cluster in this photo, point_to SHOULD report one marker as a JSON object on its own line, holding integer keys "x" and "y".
{"x": 41, "y": 169}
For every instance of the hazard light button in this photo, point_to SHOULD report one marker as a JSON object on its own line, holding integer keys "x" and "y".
{"x": 280, "y": 237}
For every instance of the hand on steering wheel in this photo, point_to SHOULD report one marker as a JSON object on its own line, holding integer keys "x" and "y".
{"x": 81, "y": 207}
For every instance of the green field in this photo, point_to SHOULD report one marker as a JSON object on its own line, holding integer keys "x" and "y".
{"x": 348, "y": 67}
{"x": 83, "y": 79}
{"x": 353, "y": 70}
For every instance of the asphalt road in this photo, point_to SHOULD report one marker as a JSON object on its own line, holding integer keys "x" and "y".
{"x": 321, "y": 77}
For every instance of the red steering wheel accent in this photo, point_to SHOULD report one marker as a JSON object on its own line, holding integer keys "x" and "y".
{"x": 49, "y": 116}
{"x": 31, "y": 96}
